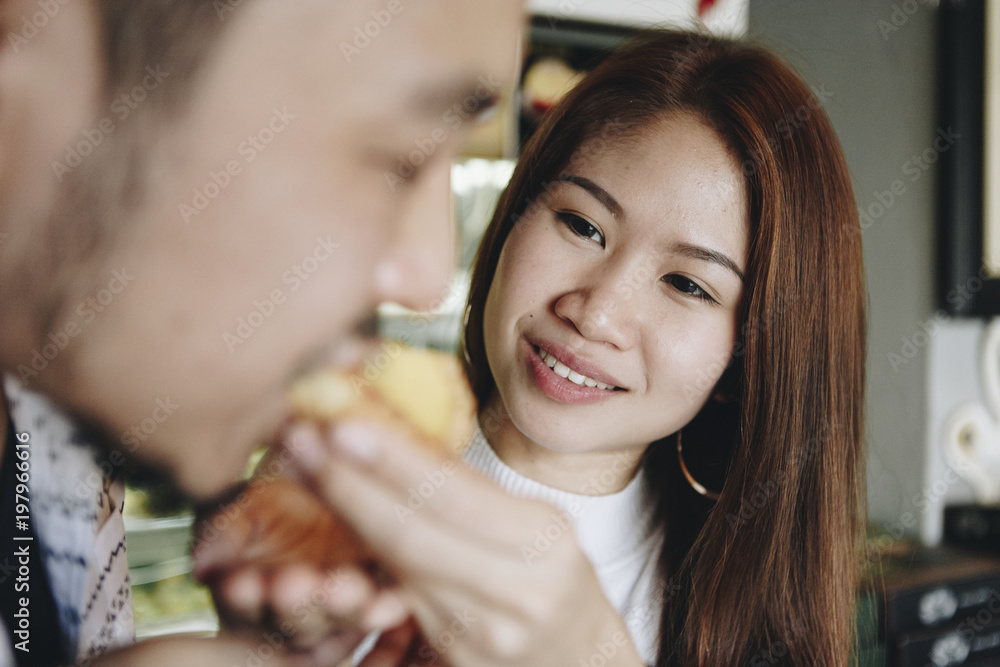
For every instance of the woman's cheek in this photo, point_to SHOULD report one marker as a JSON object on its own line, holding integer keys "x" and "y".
{"x": 705, "y": 367}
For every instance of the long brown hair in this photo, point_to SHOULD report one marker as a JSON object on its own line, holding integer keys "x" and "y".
{"x": 768, "y": 573}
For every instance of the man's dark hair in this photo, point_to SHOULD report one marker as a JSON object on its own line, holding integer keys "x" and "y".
{"x": 137, "y": 37}
{"x": 175, "y": 35}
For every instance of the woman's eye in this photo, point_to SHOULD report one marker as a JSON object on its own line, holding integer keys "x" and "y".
{"x": 688, "y": 286}
{"x": 581, "y": 227}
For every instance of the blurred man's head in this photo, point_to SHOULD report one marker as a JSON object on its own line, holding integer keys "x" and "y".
{"x": 200, "y": 199}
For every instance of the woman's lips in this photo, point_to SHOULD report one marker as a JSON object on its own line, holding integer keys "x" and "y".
{"x": 560, "y": 388}
{"x": 574, "y": 361}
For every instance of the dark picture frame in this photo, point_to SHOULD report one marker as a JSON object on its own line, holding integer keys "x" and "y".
{"x": 965, "y": 284}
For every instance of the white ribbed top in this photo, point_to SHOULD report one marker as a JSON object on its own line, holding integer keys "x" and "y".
{"x": 614, "y": 532}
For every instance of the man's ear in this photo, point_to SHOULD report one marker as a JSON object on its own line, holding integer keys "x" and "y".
{"x": 51, "y": 77}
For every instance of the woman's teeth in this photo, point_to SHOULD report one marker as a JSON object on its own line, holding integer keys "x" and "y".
{"x": 564, "y": 371}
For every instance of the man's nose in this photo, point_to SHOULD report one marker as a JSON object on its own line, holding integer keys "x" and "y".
{"x": 415, "y": 269}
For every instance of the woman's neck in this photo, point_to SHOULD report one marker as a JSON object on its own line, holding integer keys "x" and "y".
{"x": 587, "y": 473}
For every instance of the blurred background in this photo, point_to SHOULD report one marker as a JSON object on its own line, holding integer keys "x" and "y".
{"x": 909, "y": 88}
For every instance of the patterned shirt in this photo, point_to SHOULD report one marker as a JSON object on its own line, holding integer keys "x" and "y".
{"x": 76, "y": 509}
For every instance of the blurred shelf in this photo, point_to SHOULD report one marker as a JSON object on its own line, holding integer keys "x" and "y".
{"x": 165, "y": 598}
{"x": 152, "y": 541}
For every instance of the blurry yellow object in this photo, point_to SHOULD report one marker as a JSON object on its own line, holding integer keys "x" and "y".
{"x": 418, "y": 390}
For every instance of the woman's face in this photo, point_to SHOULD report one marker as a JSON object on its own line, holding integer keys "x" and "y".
{"x": 627, "y": 277}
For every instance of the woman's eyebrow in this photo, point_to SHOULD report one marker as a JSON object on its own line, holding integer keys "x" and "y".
{"x": 686, "y": 249}
{"x": 599, "y": 193}
{"x": 707, "y": 255}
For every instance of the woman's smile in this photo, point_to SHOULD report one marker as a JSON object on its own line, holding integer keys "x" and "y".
{"x": 561, "y": 376}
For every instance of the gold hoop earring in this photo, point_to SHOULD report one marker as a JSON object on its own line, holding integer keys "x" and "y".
{"x": 465, "y": 325}
{"x": 695, "y": 484}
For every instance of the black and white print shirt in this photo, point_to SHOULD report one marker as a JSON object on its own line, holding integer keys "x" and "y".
{"x": 76, "y": 509}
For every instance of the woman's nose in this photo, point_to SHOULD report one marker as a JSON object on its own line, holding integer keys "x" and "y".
{"x": 415, "y": 269}
{"x": 605, "y": 310}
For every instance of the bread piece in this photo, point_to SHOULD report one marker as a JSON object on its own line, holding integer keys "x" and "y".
{"x": 421, "y": 392}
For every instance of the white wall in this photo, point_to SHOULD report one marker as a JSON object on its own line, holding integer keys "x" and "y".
{"x": 955, "y": 383}
{"x": 727, "y": 16}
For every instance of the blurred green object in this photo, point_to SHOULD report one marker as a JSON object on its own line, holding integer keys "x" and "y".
{"x": 870, "y": 651}
{"x": 153, "y": 542}
{"x": 165, "y": 598}
{"x": 872, "y": 656}
{"x": 173, "y": 605}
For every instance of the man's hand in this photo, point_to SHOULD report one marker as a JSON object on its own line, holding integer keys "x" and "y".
{"x": 403, "y": 646}
{"x": 278, "y": 560}
{"x": 170, "y": 652}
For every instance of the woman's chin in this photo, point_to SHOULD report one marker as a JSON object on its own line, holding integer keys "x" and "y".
{"x": 555, "y": 436}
